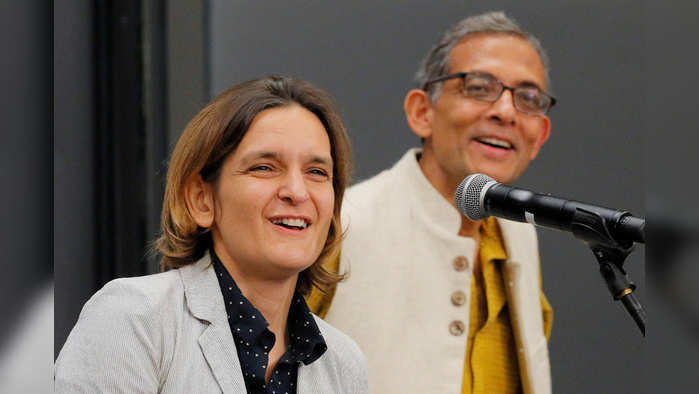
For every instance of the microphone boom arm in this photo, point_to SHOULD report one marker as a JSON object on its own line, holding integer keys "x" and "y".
{"x": 592, "y": 224}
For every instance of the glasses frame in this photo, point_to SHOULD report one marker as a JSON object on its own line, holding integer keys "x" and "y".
{"x": 462, "y": 76}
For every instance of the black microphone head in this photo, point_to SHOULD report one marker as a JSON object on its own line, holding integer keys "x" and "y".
{"x": 469, "y": 196}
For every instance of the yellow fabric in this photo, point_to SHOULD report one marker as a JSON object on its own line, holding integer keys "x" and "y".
{"x": 490, "y": 364}
{"x": 546, "y": 311}
{"x": 491, "y": 249}
{"x": 319, "y": 301}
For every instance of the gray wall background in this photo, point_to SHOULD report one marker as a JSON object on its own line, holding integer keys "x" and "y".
{"x": 623, "y": 70}
{"x": 366, "y": 52}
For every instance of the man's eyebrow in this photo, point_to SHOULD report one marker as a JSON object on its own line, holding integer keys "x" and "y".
{"x": 529, "y": 84}
{"x": 524, "y": 84}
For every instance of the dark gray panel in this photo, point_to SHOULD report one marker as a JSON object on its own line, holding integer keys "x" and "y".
{"x": 671, "y": 61}
{"x": 365, "y": 54}
{"x": 187, "y": 74}
{"x": 74, "y": 165}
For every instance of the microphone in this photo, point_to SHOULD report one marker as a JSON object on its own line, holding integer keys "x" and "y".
{"x": 480, "y": 196}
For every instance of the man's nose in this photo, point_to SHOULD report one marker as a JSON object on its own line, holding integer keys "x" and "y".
{"x": 503, "y": 109}
{"x": 293, "y": 187}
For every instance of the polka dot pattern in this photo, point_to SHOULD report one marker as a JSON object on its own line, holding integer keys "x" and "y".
{"x": 254, "y": 340}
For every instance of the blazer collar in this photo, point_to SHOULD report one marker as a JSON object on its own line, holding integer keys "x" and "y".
{"x": 202, "y": 291}
{"x": 205, "y": 302}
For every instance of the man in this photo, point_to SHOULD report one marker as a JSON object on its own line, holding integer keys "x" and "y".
{"x": 440, "y": 303}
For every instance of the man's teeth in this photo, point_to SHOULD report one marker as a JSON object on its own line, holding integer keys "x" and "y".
{"x": 496, "y": 142}
{"x": 292, "y": 222}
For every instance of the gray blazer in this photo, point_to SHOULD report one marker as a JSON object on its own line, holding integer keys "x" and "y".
{"x": 168, "y": 333}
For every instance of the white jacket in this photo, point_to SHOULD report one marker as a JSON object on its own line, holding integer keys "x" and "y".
{"x": 401, "y": 242}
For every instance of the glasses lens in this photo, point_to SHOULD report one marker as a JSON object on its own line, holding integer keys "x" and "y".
{"x": 482, "y": 87}
{"x": 531, "y": 100}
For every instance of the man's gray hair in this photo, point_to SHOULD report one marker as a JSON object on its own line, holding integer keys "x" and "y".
{"x": 436, "y": 63}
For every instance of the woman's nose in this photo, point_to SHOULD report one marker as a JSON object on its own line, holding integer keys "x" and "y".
{"x": 293, "y": 188}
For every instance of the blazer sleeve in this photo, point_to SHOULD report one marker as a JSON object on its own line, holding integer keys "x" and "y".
{"x": 115, "y": 345}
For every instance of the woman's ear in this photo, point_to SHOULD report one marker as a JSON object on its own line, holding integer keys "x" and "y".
{"x": 418, "y": 112}
{"x": 199, "y": 197}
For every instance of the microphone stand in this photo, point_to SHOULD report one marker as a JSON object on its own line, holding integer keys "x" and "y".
{"x": 593, "y": 229}
{"x": 611, "y": 267}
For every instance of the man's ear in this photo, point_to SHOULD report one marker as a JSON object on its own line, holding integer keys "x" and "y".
{"x": 418, "y": 112}
{"x": 199, "y": 197}
{"x": 544, "y": 135}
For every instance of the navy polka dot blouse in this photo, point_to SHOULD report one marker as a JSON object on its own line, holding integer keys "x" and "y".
{"x": 254, "y": 340}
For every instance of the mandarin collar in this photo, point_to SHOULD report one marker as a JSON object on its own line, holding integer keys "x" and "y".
{"x": 432, "y": 206}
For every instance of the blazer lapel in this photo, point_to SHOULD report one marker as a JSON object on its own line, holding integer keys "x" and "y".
{"x": 523, "y": 297}
{"x": 205, "y": 301}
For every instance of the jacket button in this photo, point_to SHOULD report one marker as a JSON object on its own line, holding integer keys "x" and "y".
{"x": 458, "y": 298}
{"x": 456, "y": 328}
{"x": 460, "y": 263}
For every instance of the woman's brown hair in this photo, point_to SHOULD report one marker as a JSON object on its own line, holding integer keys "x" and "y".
{"x": 213, "y": 134}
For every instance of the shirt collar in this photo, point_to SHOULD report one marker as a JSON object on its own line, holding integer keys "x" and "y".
{"x": 306, "y": 342}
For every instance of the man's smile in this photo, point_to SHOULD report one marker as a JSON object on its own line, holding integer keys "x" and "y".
{"x": 495, "y": 142}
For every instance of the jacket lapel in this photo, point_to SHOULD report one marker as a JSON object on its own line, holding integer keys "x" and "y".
{"x": 523, "y": 297}
{"x": 205, "y": 301}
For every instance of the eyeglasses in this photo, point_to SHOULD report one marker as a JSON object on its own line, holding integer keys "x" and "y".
{"x": 483, "y": 87}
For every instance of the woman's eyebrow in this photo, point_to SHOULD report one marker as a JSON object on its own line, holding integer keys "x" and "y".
{"x": 325, "y": 160}
{"x": 263, "y": 154}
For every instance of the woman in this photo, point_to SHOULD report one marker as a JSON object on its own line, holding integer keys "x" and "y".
{"x": 251, "y": 211}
